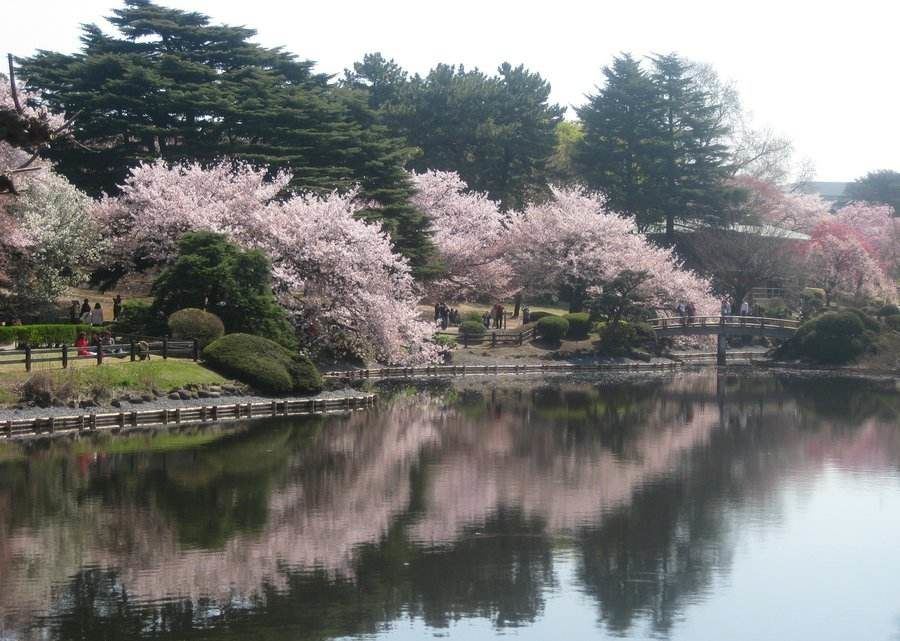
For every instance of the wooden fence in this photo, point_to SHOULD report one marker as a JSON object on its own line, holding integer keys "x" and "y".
{"x": 462, "y": 370}
{"x": 133, "y": 349}
{"x": 493, "y": 338}
{"x": 29, "y": 427}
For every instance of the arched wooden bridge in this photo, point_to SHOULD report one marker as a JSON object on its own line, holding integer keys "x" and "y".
{"x": 724, "y": 326}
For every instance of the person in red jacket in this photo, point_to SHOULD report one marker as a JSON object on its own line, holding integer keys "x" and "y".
{"x": 82, "y": 344}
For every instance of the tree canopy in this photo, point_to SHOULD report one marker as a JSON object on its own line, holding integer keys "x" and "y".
{"x": 171, "y": 85}
{"x": 654, "y": 144}
{"x": 497, "y": 132}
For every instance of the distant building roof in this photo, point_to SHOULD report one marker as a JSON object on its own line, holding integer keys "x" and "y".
{"x": 827, "y": 190}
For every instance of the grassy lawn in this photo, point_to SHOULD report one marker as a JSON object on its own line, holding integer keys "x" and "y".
{"x": 427, "y": 311}
{"x": 139, "y": 376}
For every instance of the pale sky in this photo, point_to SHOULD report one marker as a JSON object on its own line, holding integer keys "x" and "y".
{"x": 824, "y": 73}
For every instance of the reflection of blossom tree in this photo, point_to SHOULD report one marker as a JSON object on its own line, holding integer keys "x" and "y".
{"x": 439, "y": 507}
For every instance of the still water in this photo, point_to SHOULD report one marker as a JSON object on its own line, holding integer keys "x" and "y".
{"x": 695, "y": 507}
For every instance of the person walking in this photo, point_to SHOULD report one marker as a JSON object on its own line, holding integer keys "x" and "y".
{"x": 85, "y": 307}
{"x": 726, "y": 308}
{"x": 745, "y": 308}
{"x": 97, "y": 315}
{"x": 117, "y": 306}
{"x": 73, "y": 312}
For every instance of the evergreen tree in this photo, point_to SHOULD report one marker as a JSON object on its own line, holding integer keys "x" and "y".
{"x": 653, "y": 145}
{"x": 176, "y": 87}
{"x": 496, "y": 132}
{"x": 614, "y": 156}
{"x": 880, "y": 187}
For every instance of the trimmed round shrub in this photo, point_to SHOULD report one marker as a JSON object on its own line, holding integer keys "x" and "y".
{"x": 472, "y": 328}
{"x": 552, "y": 328}
{"x": 868, "y": 322}
{"x": 263, "y": 364}
{"x": 889, "y": 310}
{"x": 833, "y": 337}
{"x": 579, "y": 325}
{"x": 893, "y": 322}
{"x": 193, "y": 323}
{"x": 534, "y": 317}
{"x": 472, "y": 316}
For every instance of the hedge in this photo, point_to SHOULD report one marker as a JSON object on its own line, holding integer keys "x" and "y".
{"x": 193, "y": 323}
{"x": 263, "y": 364}
{"x": 533, "y": 317}
{"x": 552, "y": 328}
{"x": 579, "y": 325}
{"x": 47, "y": 334}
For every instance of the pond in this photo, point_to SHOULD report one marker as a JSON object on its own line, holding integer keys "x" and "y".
{"x": 693, "y": 507}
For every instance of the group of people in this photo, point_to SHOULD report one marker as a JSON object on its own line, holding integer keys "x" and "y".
{"x": 495, "y": 317}
{"x": 445, "y": 316}
{"x": 84, "y": 314}
{"x": 744, "y": 308}
{"x": 100, "y": 339}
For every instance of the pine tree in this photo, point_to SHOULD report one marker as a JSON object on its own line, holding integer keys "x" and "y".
{"x": 653, "y": 145}
{"x": 176, "y": 87}
{"x": 614, "y": 155}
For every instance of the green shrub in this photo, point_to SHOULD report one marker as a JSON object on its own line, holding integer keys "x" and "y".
{"x": 472, "y": 316}
{"x": 812, "y": 301}
{"x": 140, "y": 319}
{"x": 35, "y": 335}
{"x": 833, "y": 337}
{"x": 193, "y": 323}
{"x": 868, "y": 322}
{"x": 775, "y": 308}
{"x": 263, "y": 364}
{"x": 579, "y": 325}
{"x": 893, "y": 322}
{"x": 534, "y": 317}
{"x": 472, "y": 328}
{"x": 552, "y": 328}
{"x": 889, "y": 310}
{"x": 445, "y": 340}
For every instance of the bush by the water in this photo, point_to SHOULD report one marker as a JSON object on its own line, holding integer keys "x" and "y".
{"x": 193, "y": 323}
{"x": 623, "y": 337}
{"x": 552, "y": 329}
{"x": 36, "y": 335}
{"x": 579, "y": 325}
{"x": 834, "y": 338}
{"x": 472, "y": 328}
{"x": 263, "y": 364}
{"x": 812, "y": 301}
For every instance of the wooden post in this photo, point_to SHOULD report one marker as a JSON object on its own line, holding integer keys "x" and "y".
{"x": 493, "y": 339}
{"x": 274, "y": 408}
{"x": 465, "y": 341}
{"x": 81, "y": 423}
{"x": 165, "y": 348}
{"x": 93, "y": 422}
{"x": 99, "y": 354}
{"x": 215, "y": 412}
{"x": 9, "y": 428}
{"x": 195, "y": 350}
{"x": 134, "y": 418}
{"x": 177, "y": 415}
{"x": 721, "y": 344}
{"x": 65, "y": 356}
{"x": 133, "y": 355}
{"x": 27, "y": 357}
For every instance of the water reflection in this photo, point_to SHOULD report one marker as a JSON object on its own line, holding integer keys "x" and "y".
{"x": 492, "y": 500}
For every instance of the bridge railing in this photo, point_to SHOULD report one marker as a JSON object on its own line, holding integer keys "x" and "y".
{"x": 675, "y": 322}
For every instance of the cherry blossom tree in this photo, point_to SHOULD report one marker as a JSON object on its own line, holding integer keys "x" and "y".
{"x": 878, "y": 229}
{"x": 469, "y": 233}
{"x": 769, "y": 204}
{"x": 58, "y": 239}
{"x": 336, "y": 274}
{"x": 838, "y": 262}
{"x": 572, "y": 242}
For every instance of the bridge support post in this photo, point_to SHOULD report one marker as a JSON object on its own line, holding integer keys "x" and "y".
{"x": 721, "y": 344}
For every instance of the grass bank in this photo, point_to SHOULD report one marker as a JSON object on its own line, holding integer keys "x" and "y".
{"x": 112, "y": 378}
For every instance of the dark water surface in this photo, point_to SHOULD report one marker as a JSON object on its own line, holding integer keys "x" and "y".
{"x": 699, "y": 507}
